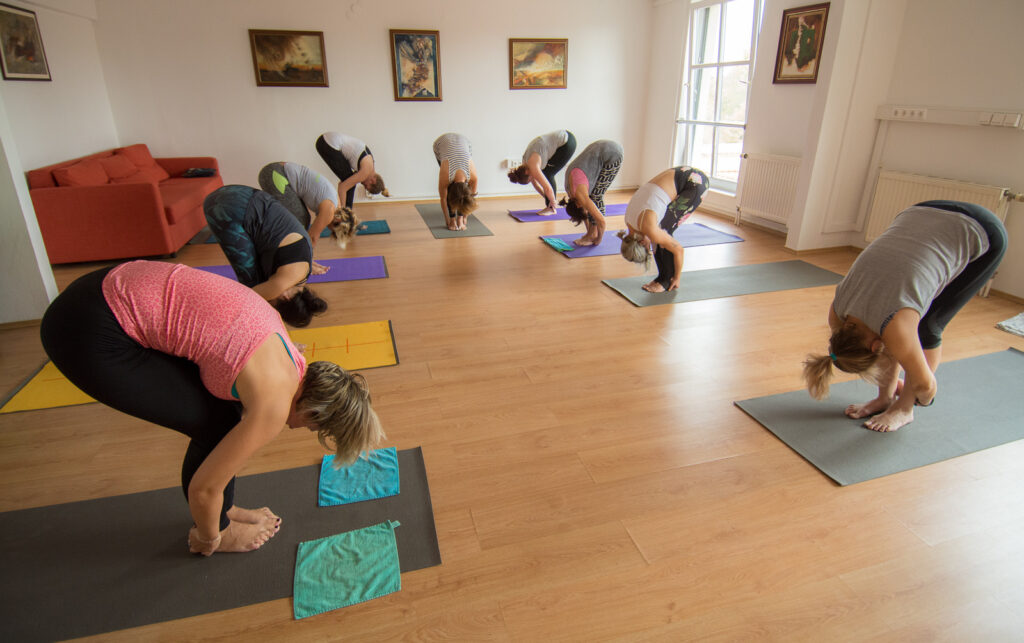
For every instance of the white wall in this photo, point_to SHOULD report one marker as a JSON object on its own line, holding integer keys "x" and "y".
{"x": 964, "y": 54}
{"x": 180, "y": 77}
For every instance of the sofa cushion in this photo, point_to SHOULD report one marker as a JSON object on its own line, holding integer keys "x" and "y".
{"x": 118, "y": 166}
{"x": 182, "y": 196}
{"x": 140, "y": 156}
{"x": 81, "y": 174}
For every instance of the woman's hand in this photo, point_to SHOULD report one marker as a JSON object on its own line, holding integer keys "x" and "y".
{"x": 674, "y": 284}
{"x": 199, "y": 545}
{"x": 319, "y": 269}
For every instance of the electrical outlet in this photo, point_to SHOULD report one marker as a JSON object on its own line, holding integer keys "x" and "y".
{"x": 511, "y": 163}
{"x": 905, "y": 113}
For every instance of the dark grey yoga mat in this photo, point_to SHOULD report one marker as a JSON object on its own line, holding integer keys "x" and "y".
{"x": 697, "y": 285}
{"x": 434, "y": 218}
{"x": 102, "y": 565}
{"x": 978, "y": 406}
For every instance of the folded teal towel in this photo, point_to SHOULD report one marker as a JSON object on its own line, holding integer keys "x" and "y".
{"x": 345, "y": 569}
{"x": 558, "y": 244}
{"x": 375, "y": 476}
{"x": 375, "y": 226}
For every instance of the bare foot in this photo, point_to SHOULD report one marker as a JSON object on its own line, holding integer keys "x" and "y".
{"x": 241, "y": 537}
{"x": 891, "y": 420}
{"x": 654, "y": 286}
{"x": 857, "y": 411}
{"x": 262, "y": 516}
{"x": 546, "y": 211}
{"x": 584, "y": 241}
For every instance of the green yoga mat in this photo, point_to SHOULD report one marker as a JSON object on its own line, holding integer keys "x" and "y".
{"x": 697, "y": 285}
{"x": 978, "y": 406}
{"x": 434, "y": 218}
{"x": 96, "y": 566}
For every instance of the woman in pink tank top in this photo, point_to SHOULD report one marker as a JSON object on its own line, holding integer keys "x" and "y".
{"x": 133, "y": 336}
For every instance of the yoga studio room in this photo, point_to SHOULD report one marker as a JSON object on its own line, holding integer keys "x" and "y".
{"x": 463, "y": 320}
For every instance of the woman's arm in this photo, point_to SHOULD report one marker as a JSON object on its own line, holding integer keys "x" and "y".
{"x": 285, "y": 277}
{"x": 901, "y": 341}
{"x": 539, "y": 181}
{"x": 472, "y": 177}
{"x": 364, "y": 172}
{"x": 599, "y": 222}
{"x": 266, "y": 387}
{"x": 442, "y": 188}
{"x": 324, "y": 215}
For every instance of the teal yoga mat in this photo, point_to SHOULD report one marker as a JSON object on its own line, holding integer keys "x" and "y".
{"x": 978, "y": 406}
{"x": 96, "y": 566}
{"x": 434, "y": 218}
{"x": 697, "y": 285}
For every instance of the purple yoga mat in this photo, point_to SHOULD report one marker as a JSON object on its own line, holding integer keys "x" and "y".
{"x": 688, "y": 234}
{"x": 528, "y": 216}
{"x": 346, "y": 269}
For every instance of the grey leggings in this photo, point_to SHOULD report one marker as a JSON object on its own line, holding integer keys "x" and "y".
{"x": 279, "y": 188}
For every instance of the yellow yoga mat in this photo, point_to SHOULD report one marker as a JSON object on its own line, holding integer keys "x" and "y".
{"x": 352, "y": 346}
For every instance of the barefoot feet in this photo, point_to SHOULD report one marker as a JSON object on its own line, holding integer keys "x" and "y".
{"x": 654, "y": 286}
{"x": 891, "y": 420}
{"x": 245, "y": 536}
{"x": 877, "y": 405}
{"x": 262, "y": 516}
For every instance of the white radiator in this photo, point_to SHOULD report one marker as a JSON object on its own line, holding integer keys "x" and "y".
{"x": 896, "y": 191}
{"x": 767, "y": 186}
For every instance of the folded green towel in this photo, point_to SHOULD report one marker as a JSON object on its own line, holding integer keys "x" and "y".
{"x": 345, "y": 569}
{"x": 558, "y": 244}
{"x": 369, "y": 478}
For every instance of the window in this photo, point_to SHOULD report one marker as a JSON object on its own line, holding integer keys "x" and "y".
{"x": 713, "y": 97}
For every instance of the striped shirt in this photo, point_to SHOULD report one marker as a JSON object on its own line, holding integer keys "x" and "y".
{"x": 457, "y": 150}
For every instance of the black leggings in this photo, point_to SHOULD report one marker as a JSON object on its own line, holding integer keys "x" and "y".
{"x": 557, "y": 161}
{"x": 967, "y": 284}
{"x": 88, "y": 345}
{"x": 340, "y": 166}
{"x": 688, "y": 197}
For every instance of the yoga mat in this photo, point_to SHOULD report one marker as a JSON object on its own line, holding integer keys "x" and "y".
{"x": 46, "y": 388}
{"x": 698, "y": 285}
{"x": 344, "y": 269}
{"x": 978, "y": 406}
{"x": 434, "y": 218}
{"x": 97, "y": 566}
{"x": 374, "y": 226}
{"x": 689, "y": 235}
{"x": 352, "y": 346}
{"x": 530, "y": 216}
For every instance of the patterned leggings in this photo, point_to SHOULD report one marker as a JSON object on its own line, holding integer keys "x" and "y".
{"x": 273, "y": 181}
{"x": 225, "y": 211}
{"x": 604, "y": 179}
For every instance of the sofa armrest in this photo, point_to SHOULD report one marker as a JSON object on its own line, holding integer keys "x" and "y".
{"x": 176, "y": 165}
{"x": 101, "y": 221}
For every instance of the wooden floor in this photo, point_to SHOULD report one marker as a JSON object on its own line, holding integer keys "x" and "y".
{"x": 591, "y": 478}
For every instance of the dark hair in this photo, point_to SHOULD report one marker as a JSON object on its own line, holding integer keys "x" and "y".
{"x": 299, "y": 310}
{"x": 575, "y": 211}
{"x": 847, "y": 353}
{"x": 520, "y": 175}
{"x": 377, "y": 186}
{"x": 460, "y": 200}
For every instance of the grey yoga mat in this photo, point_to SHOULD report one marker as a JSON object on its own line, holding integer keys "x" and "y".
{"x": 434, "y": 218}
{"x": 101, "y": 565}
{"x": 978, "y": 406}
{"x": 697, "y": 285}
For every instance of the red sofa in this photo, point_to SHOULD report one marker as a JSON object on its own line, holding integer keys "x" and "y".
{"x": 119, "y": 204}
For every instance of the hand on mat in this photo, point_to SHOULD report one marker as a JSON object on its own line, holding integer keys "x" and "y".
{"x": 674, "y": 284}
{"x": 461, "y": 222}
{"x": 319, "y": 269}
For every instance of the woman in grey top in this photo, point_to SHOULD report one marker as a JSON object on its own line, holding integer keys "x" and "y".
{"x": 456, "y": 180}
{"x": 544, "y": 157}
{"x": 901, "y": 292}
{"x": 301, "y": 190}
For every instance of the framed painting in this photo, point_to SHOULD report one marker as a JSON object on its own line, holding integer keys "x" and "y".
{"x": 288, "y": 58}
{"x": 21, "y": 46}
{"x": 415, "y": 64}
{"x": 537, "y": 63}
{"x": 800, "y": 39}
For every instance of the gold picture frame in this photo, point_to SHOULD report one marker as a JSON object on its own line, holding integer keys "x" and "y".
{"x": 288, "y": 58}
{"x": 538, "y": 63}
